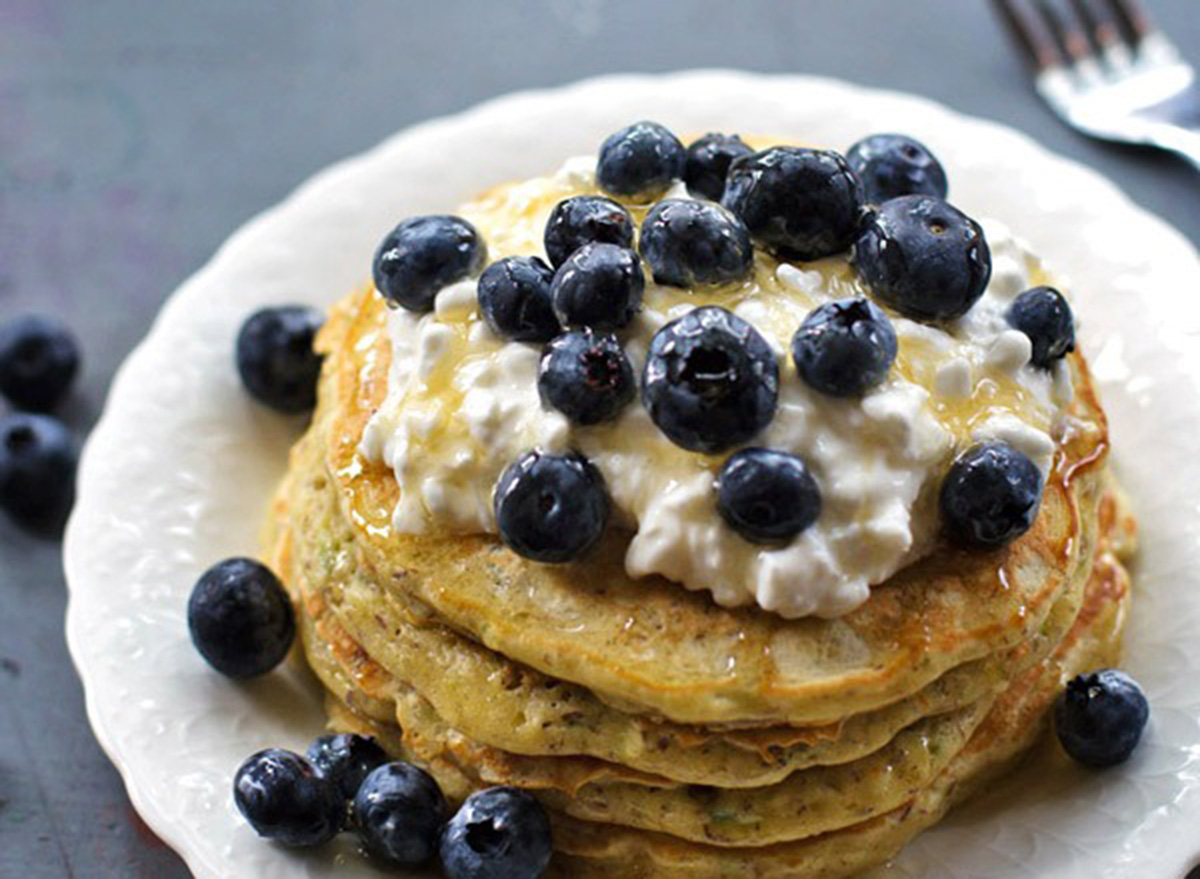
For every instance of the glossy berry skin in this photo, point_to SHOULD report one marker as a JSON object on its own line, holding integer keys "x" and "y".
{"x": 708, "y": 161}
{"x": 498, "y": 833}
{"x": 37, "y": 470}
{"x": 801, "y": 204}
{"x": 710, "y": 381}
{"x": 276, "y": 360}
{"x": 39, "y": 358}
{"x": 582, "y": 219}
{"x": 586, "y": 376}
{"x": 640, "y": 161}
{"x": 241, "y": 618}
{"x": 687, "y": 243}
{"x": 551, "y": 508}
{"x": 845, "y": 347}
{"x": 1044, "y": 315}
{"x": 767, "y": 496}
{"x": 424, "y": 254}
{"x": 990, "y": 497}
{"x": 399, "y": 813}
{"x": 514, "y": 298}
{"x": 599, "y": 286}
{"x": 924, "y": 257}
{"x": 345, "y": 760}
{"x": 284, "y": 799}
{"x": 892, "y": 165}
{"x": 1099, "y": 717}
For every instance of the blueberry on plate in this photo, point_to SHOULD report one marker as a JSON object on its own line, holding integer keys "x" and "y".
{"x": 708, "y": 161}
{"x": 802, "y": 204}
{"x": 276, "y": 359}
{"x": 514, "y": 297}
{"x": 586, "y": 376}
{"x": 640, "y": 161}
{"x": 1044, "y": 315}
{"x": 924, "y": 257}
{"x": 710, "y": 381}
{"x": 38, "y": 361}
{"x": 240, "y": 618}
{"x": 991, "y": 496}
{"x": 599, "y": 286}
{"x": 498, "y": 833}
{"x": 551, "y": 508}
{"x": 686, "y": 243}
{"x": 399, "y": 813}
{"x": 767, "y": 496}
{"x": 892, "y": 165}
{"x": 845, "y": 347}
{"x": 37, "y": 470}
{"x": 1100, "y": 717}
{"x": 345, "y": 760}
{"x": 424, "y": 254}
{"x": 582, "y": 219}
{"x": 284, "y": 799}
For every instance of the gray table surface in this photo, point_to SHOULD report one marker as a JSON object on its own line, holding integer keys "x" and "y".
{"x": 135, "y": 135}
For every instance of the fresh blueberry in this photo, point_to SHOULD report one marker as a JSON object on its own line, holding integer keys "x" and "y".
{"x": 399, "y": 813}
{"x": 37, "y": 470}
{"x": 924, "y": 257}
{"x": 38, "y": 360}
{"x": 1045, "y": 317}
{"x": 514, "y": 296}
{"x": 345, "y": 760}
{"x": 892, "y": 165}
{"x": 424, "y": 254}
{"x": 1100, "y": 717}
{"x": 599, "y": 286}
{"x": 845, "y": 347}
{"x": 991, "y": 496}
{"x": 708, "y": 161}
{"x": 686, "y": 243}
{"x": 276, "y": 358}
{"x": 551, "y": 508}
{"x": 285, "y": 800}
{"x": 582, "y": 219}
{"x": 498, "y": 833}
{"x": 240, "y": 618}
{"x": 640, "y": 161}
{"x": 710, "y": 380}
{"x": 586, "y": 376}
{"x": 767, "y": 496}
{"x": 802, "y": 204}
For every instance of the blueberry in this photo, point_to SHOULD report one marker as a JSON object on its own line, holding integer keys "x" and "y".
{"x": 1045, "y": 317}
{"x": 586, "y": 376}
{"x": 892, "y": 165}
{"x": 38, "y": 361}
{"x": 583, "y": 219}
{"x": 37, "y": 470}
{"x": 710, "y": 380}
{"x": 498, "y": 833}
{"x": 240, "y": 618}
{"x": 424, "y": 254}
{"x": 686, "y": 243}
{"x": 551, "y": 508}
{"x": 345, "y": 760}
{"x": 285, "y": 800}
{"x": 514, "y": 296}
{"x": 399, "y": 813}
{"x": 599, "y": 286}
{"x": 1100, "y": 717}
{"x": 276, "y": 359}
{"x": 802, "y": 204}
{"x": 767, "y": 496}
{"x": 991, "y": 496}
{"x": 924, "y": 257}
{"x": 640, "y": 161}
{"x": 845, "y": 347}
{"x": 708, "y": 161}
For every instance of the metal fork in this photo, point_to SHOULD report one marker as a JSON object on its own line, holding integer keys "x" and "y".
{"x": 1108, "y": 72}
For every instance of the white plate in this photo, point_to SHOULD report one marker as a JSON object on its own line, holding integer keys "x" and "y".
{"x": 177, "y": 473}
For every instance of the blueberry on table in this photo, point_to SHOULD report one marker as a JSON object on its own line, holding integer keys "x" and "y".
{"x": 276, "y": 359}
{"x": 39, "y": 358}
{"x": 399, "y": 813}
{"x": 1044, "y": 315}
{"x": 924, "y": 257}
{"x": 37, "y": 469}
{"x": 991, "y": 496}
{"x": 240, "y": 618}
{"x": 845, "y": 347}
{"x": 686, "y": 243}
{"x": 640, "y": 161}
{"x": 284, "y": 799}
{"x": 551, "y": 508}
{"x": 514, "y": 297}
{"x": 708, "y": 161}
{"x": 892, "y": 165}
{"x": 1100, "y": 717}
{"x": 586, "y": 376}
{"x": 583, "y": 219}
{"x": 345, "y": 760}
{"x": 424, "y": 254}
{"x": 599, "y": 286}
{"x": 767, "y": 496}
{"x": 498, "y": 833}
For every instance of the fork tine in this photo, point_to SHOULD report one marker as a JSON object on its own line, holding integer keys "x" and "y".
{"x": 1100, "y": 30}
{"x": 1069, "y": 37}
{"x": 1040, "y": 51}
{"x": 1131, "y": 19}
